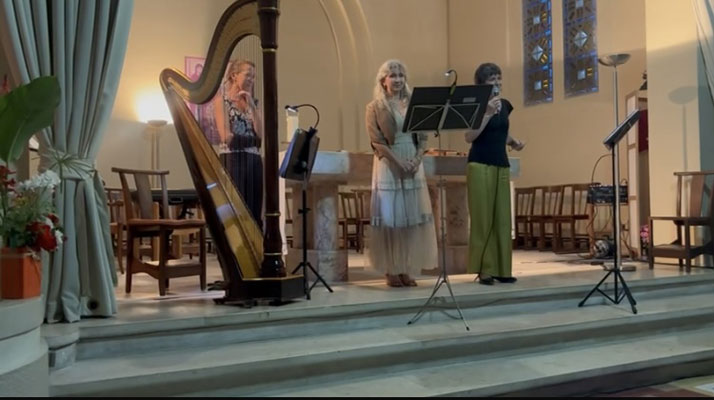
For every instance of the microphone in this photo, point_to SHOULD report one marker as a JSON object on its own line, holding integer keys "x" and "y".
{"x": 456, "y": 78}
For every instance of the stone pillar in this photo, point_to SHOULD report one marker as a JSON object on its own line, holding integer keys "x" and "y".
{"x": 323, "y": 242}
{"x": 457, "y": 226}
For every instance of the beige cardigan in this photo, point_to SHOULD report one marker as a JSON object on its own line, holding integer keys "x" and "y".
{"x": 382, "y": 128}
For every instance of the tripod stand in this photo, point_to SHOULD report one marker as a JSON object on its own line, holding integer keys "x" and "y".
{"x": 437, "y": 109}
{"x": 612, "y": 142}
{"x": 297, "y": 166}
{"x": 443, "y": 275}
{"x": 305, "y": 264}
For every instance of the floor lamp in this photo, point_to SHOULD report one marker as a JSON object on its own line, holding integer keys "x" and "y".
{"x": 615, "y": 60}
{"x": 155, "y": 126}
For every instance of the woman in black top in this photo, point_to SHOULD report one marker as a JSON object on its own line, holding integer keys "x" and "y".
{"x": 240, "y": 128}
{"x": 488, "y": 185}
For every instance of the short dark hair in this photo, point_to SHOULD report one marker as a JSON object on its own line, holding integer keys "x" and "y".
{"x": 485, "y": 71}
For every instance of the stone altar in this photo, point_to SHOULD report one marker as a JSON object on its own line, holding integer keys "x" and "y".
{"x": 335, "y": 168}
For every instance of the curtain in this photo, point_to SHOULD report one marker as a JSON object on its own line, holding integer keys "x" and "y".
{"x": 704, "y": 14}
{"x": 82, "y": 43}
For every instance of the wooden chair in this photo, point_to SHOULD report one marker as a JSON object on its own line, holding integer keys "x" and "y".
{"x": 350, "y": 218}
{"x": 575, "y": 209}
{"x": 116, "y": 223}
{"x": 551, "y": 204}
{"x": 533, "y": 225}
{"x": 364, "y": 201}
{"x": 192, "y": 243}
{"x": 686, "y": 218}
{"x": 140, "y": 222}
{"x": 525, "y": 201}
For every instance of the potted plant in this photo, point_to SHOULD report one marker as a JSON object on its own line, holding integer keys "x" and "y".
{"x": 27, "y": 222}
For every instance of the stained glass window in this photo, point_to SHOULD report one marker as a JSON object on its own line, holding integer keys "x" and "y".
{"x": 537, "y": 52}
{"x": 580, "y": 47}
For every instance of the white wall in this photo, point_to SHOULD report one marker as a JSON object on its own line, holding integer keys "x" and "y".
{"x": 675, "y": 88}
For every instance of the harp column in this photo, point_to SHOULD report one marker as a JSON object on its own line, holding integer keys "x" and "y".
{"x": 273, "y": 265}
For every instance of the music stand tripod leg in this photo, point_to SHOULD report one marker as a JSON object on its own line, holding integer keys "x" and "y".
{"x": 443, "y": 276}
{"x": 439, "y": 281}
{"x": 305, "y": 264}
{"x": 626, "y": 293}
{"x": 596, "y": 288}
{"x": 616, "y": 270}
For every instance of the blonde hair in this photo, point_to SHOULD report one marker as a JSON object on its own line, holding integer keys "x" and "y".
{"x": 380, "y": 92}
{"x": 234, "y": 67}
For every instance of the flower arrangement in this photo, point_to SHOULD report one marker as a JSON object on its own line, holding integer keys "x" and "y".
{"x": 26, "y": 212}
{"x": 27, "y": 222}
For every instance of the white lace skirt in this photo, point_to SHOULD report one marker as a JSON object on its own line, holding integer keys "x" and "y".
{"x": 402, "y": 237}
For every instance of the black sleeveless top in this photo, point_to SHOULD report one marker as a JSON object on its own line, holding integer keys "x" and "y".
{"x": 490, "y": 146}
{"x": 241, "y": 126}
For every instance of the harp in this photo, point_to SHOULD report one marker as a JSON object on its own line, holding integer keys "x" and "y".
{"x": 251, "y": 261}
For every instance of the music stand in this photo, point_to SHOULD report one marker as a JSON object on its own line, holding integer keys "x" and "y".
{"x": 297, "y": 166}
{"x": 611, "y": 142}
{"x": 435, "y": 109}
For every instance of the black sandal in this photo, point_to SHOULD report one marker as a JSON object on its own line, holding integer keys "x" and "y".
{"x": 507, "y": 279}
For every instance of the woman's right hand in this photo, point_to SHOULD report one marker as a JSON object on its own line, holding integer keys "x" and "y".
{"x": 494, "y": 106}
{"x": 405, "y": 167}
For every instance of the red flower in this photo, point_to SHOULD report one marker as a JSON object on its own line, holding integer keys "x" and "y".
{"x": 43, "y": 236}
{"x": 53, "y": 218}
{"x": 5, "y": 171}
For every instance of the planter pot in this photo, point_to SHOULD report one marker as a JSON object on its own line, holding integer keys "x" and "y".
{"x": 20, "y": 274}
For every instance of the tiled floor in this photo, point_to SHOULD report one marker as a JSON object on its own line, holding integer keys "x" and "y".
{"x": 533, "y": 268}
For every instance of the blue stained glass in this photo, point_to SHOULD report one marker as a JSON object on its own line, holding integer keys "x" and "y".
{"x": 580, "y": 47}
{"x": 537, "y": 51}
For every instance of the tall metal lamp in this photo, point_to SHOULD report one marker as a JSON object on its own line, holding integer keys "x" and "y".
{"x": 615, "y": 60}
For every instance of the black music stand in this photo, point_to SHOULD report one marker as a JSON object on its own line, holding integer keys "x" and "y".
{"x": 297, "y": 165}
{"x": 435, "y": 109}
{"x": 611, "y": 142}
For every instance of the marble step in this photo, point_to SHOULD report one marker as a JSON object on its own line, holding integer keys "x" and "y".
{"x": 574, "y": 370}
{"x": 240, "y": 367}
{"x": 260, "y": 325}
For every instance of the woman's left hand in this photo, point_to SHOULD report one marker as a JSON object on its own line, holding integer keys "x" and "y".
{"x": 517, "y": 145}
{"x": 414, "y": 164}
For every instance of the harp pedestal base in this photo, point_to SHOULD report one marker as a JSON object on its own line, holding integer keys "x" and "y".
{"x": 276, "y": 290}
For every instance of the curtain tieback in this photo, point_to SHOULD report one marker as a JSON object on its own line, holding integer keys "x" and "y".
{"x": 66, "y": 165}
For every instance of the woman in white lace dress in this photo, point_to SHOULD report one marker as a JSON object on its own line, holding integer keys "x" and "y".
{"x": 403, "y": 238}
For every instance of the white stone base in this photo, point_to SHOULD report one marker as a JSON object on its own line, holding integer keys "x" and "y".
{"x": 330, "y": 264}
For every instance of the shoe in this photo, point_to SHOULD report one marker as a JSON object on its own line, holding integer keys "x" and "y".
{"x": 407, "y": 280}
{"x": 486, "y": 281}
{"x": 507, "y": 279}
{"x": 394, "y": 281}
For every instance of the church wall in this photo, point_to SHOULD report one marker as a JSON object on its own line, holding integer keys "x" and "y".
{"x": 328, "y": 55}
